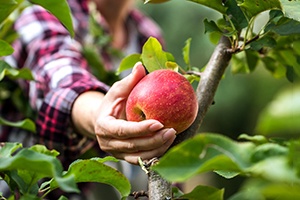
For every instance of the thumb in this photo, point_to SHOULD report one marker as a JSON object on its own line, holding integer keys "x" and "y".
{"x": 125, "y": 85}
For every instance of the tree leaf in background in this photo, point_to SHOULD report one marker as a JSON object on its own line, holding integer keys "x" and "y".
{"x": 128, "y": 62}
{"x": 25, "y": 124}
{"x": 7, "y": 70}
{"x": 286, "y": 26}
{"x": 60, "y": 9}
{"x": 213, "y": 4}
{"x": 93, "y": 170}
{"x": 252, "y": 8}
{"x": 267, "y": 41}
{"x": 204, "y": 192}
{"x": 153, "y": 56}
{"x": 237, "y": 16}
{"x": 6, "y": 7}
{"x": 291, "y": 9}
{"x": 5, "y": 48}
{"x": 282, "y": 115}
{"x": 186, "y": 52}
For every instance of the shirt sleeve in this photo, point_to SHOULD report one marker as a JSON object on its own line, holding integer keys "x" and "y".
{"x": 61, "y": 74}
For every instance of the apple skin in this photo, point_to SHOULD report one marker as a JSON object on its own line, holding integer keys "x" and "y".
{"x": 166, "y": 96}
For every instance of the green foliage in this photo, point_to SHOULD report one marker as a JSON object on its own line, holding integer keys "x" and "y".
{"x": 281, "y": 116}
{"x": 268, "y": 161}
{"x": 271, "y": 165}
{"x": 42, "y": 163}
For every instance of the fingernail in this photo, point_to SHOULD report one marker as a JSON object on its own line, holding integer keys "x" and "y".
{"x": 170, "y": 133}
{"x": 135, "y": 67}
{"x": 155, "y": 127}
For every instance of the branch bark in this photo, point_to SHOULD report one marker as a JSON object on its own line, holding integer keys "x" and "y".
{"x": 207, "y": 87}
{"x": 160, "y": 189}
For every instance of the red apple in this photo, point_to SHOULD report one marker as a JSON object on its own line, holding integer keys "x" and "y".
{"x": 166, "y": 96}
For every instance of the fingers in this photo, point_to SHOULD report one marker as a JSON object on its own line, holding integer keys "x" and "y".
{"x": 138, "y": 144}
{"x": 110, "y": 127}
{"x": 146, "y": 147}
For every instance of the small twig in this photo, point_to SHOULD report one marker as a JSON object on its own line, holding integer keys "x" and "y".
{"x": 138, "y": 194}
{"x": 194, "y": 73}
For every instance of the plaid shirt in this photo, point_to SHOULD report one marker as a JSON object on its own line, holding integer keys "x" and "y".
{"x": 61, "y": 72}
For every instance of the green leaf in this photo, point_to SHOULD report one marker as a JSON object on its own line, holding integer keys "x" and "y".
{"x": 238, "y": 63}
{"x": 128, "y": 62}
{"x": 205, "y": 192}
{"x": 7, "y": 70}
{"x": 282, "y": 114}
{"x": 205, "y": 152}
{"x": 93, "y": 170}
{"x": 274, "y": 66}
{"x": 8, "y": 148}
{"x": 6, "y": 7}
{"x": 153, "y": 56}
{"x": 60, "y": 9}
{"x": 38, "y": 166}
{"x": 275, "y": 169}
{"x": 5, "y": 48}
{"x": 285, "y": 26}
{"x": 252, "y": 8}
{"x": 236, "y": 15}
{"x": 26, "y": 124}
{"x": 213, "y": 4}
{"x": 186, "y": 51}
{"x": 43, "y": 149}
{"x": 266, "y": 41}
{"x": 211, "y": 26}
{"x": 172, "y": 65}
{"x": 291, "y": 9}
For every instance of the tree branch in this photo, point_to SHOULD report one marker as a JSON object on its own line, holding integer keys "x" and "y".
{"x": 160, "y": 189}
{"x": 208, "y": 85}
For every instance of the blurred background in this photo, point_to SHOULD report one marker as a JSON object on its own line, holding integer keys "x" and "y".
{"x": 240, "y": 98}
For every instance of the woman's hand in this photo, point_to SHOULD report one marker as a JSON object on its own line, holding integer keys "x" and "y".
{"x": 124, "y": 139}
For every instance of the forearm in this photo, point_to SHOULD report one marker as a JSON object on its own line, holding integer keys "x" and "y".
{"x": 85, "y": 111}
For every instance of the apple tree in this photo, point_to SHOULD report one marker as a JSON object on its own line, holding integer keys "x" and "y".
{"x": 269, "y": 164}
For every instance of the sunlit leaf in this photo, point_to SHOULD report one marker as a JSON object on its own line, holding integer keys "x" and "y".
{"x": 93, "y": 170}
{"x": 186, "y": 51}
{"x": 153, "y": 56}
{"x": 60, "y": 9}
{"x": 5, "y": 48}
